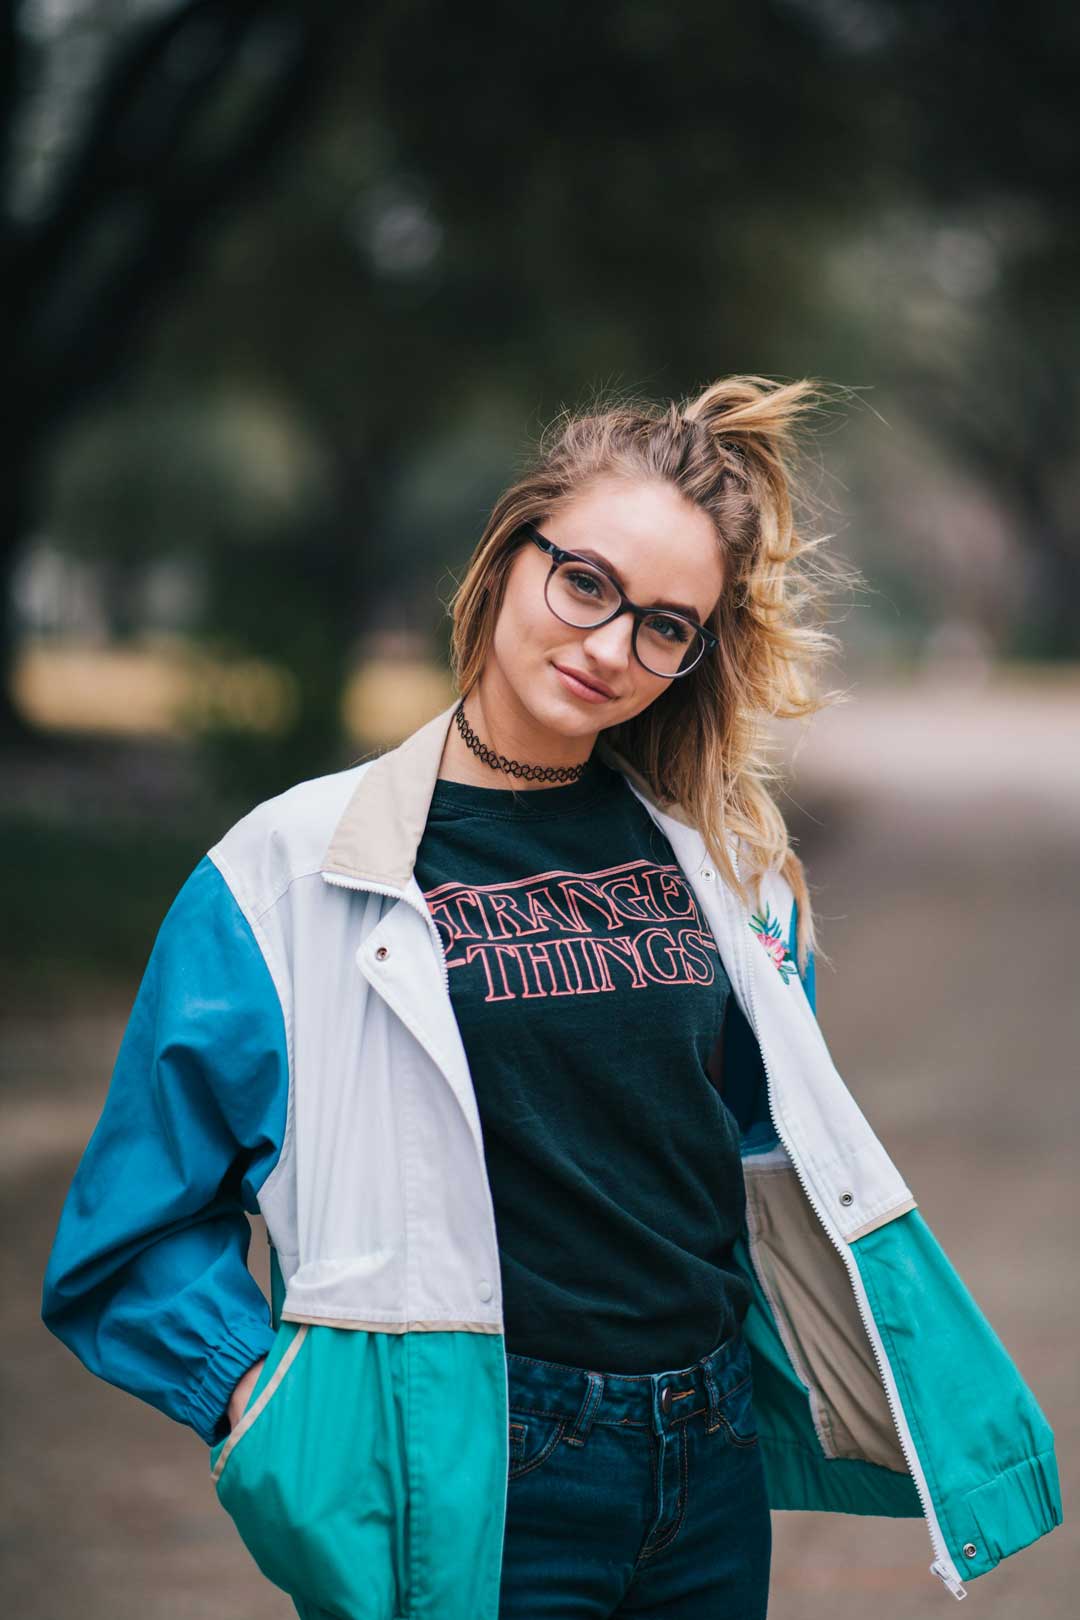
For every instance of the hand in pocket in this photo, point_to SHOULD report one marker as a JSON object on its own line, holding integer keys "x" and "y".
{"x": 242, "y": 1393}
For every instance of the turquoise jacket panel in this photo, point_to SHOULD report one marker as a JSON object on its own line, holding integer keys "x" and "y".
{"x": 999, "y": 1490}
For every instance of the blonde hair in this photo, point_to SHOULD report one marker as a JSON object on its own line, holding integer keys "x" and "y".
{"x": 700, "y": 746}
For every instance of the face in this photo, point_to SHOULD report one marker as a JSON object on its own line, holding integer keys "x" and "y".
{"x": 662, "y": 548}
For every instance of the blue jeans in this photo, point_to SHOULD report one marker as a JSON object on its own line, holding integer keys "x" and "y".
{"x": 635, "y": 1494}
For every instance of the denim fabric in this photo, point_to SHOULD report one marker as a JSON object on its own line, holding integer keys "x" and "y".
{"x": 635, "y": 1494}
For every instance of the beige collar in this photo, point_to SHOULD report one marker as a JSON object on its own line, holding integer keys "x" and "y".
{"x": 380, "y": 830}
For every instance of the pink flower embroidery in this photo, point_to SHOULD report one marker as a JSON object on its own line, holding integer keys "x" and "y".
{"x": 768, "y": 930}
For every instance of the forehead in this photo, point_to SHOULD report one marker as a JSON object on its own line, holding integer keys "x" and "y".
{"x": 659, "y": 546}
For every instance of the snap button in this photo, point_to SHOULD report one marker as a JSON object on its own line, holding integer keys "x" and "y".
{"x": 970, "y": 1549}
{"x": 708, "y": 874}
{"x": 665, "y": 1399}
{"x": 483, "y": 1288}
{"x": 847, "y": 1199}
{"x": 382, "y": 953}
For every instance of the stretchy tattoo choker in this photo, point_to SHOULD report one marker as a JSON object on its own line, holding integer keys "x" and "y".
{"x": 499, "y": 762}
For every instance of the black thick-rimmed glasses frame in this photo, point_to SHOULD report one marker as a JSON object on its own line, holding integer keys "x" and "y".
{"x": 559, "y": 556}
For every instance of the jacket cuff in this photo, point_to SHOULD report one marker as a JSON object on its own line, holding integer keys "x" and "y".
{"x": 239, "y": 1349}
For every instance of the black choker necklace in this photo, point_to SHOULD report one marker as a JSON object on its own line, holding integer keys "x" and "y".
{"x": 499, "y": 762}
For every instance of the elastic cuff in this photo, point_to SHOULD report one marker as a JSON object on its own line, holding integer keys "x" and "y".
{"x": 241, "y": 1347}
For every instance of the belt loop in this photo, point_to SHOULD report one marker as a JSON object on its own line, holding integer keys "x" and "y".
{"x": 714, "y": 1397}
{"x": 594, "y": 1394}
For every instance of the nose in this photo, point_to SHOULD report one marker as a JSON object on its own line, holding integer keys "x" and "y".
{"x": 612, "y": 643}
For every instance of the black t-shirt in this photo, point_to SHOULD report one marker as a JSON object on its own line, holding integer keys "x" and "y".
{"x": 590, "y": 996}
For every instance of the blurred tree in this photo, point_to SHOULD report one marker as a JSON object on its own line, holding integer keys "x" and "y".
{"x": 494, "y": 208}
{"x": 971, "y": 260}
{"x": 190, "y": 105}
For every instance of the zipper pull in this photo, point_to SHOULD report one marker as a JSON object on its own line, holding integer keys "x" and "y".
{"x": 951, "y": 1581}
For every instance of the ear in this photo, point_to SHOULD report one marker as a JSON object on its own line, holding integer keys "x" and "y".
{"x": 808, "y": 978}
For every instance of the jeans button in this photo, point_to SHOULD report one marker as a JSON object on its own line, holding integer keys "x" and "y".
{"x": 665, "y": 1399}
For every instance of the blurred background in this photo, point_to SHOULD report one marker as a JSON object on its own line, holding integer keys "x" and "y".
{"x": 289, "y": 291}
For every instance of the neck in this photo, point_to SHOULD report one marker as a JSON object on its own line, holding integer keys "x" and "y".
{"x": 509, "y": 731}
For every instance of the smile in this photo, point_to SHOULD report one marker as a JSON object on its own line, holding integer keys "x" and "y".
{"x": 580, "y": 687}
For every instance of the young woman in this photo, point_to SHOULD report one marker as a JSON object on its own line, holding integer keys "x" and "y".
{"x": 583, "y": 1256}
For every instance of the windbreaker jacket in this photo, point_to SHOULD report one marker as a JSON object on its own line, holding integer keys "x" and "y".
{"x": 293, "y": 1050}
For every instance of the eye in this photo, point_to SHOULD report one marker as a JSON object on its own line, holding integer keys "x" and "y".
{"x": 586, "y": 583}
{"x": 671, "y": 629}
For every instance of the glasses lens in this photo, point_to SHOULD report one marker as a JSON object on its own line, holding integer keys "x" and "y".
{"x": 584, "y": 596}
{"x": 668, "y": 645}
{"x": 581, "y": 595}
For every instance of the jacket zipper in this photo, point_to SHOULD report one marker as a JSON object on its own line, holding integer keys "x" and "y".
{"x": 943, "y": 1566}
{"x": 397, "y": 894}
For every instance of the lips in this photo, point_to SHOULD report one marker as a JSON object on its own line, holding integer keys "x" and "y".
{"x": 586, "y": 680}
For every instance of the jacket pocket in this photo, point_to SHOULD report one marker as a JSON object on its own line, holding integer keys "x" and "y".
{"x": 316, "y": 1482}
{"x": 275, "y": 1369}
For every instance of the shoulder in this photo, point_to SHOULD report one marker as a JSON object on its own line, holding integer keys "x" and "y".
{"x": 774, "y": 901}
{"x": 284, "y": 838}
{"x": 774, "y": 917}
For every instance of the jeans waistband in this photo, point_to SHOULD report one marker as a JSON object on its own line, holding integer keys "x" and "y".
{"x": 659, "y": 1400}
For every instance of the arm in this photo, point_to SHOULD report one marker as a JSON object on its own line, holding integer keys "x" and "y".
{"x": 147, "y": 1279}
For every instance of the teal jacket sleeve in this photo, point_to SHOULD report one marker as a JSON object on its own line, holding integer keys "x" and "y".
{"x": 147, "y": 1279}
{"x": 809, "y": 982}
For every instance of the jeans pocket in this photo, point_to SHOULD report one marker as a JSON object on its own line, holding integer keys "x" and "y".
{"x": 533, "y": 1438}
{"x": 738, "y": 1414}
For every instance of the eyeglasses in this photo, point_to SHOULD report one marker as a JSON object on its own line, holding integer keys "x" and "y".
{"x": 582, "y": 594}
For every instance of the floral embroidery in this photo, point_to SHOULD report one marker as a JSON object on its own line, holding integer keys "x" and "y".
{"x": 768, "y": 930}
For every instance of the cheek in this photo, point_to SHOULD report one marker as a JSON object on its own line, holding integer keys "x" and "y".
{"x": 527, "y": 624}
{"x": 523, "y": 627}
{"x": 646, "y": 691}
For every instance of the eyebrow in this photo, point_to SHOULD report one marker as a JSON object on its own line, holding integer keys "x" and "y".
{"x": 609, "y": 568}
